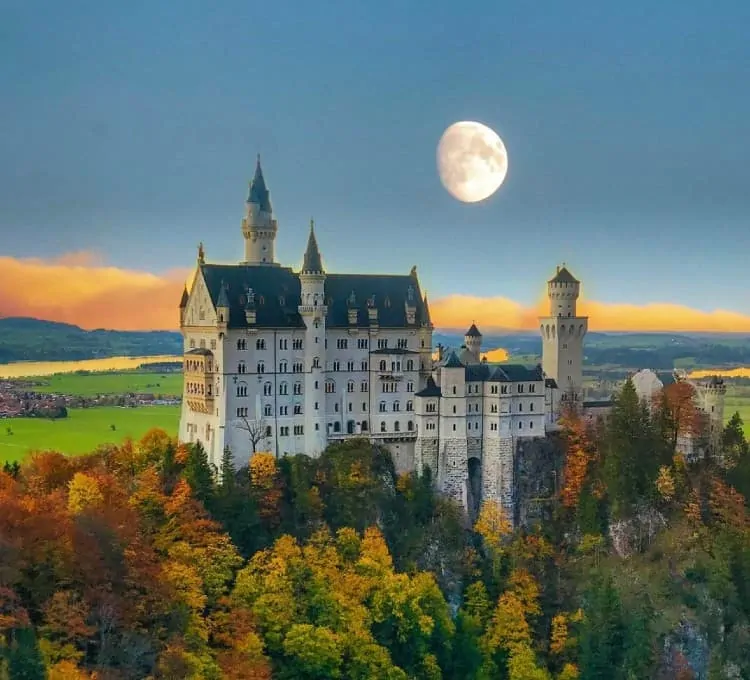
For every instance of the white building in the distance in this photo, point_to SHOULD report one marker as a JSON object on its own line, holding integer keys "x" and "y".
{"x": 288, "y": 361}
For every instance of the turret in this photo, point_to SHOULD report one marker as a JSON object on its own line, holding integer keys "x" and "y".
{"x": 313, "y": 311}
{"x": 563, "y": 290}
{"x": 183, "y": 304}
{"x": 258, "y": 225}
{"x": 222, "y": 307}
{"x": 473, "y": 342}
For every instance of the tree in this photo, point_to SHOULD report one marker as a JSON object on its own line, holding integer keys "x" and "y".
{"x": 678, "y": 400}
{"x": 199, "y": 473}
{"x": 83, "y": 493}
{"x": 577, "y": 457}
{"x": 24, "y": 658}
{"x": 255, "y": 430}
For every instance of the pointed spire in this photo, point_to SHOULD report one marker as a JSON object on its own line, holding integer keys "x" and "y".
{"x": 259, "y": 193}
{"x": 473, "y": 332}
{"x": 185, "y": 297}
{"x": 427, "y": 319}
{"x": 223, "y": 300}
{"x": 312, "y": 262}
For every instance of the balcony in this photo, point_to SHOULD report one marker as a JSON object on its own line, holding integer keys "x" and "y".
{"x": 198, "y": 392}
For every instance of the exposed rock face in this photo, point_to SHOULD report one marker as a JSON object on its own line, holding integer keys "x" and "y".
{"x": 686, "y": 649}
{"x": 636, "y": 534}
{"x": 537, "y": 472}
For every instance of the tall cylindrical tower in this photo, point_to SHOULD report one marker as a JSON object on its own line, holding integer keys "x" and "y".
{"x": 258, "y": 225}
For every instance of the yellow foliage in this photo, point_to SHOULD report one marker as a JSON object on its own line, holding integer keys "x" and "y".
{"x": 508, "y": 627}
{"x": 83, "y": 492}
{"x": 374, "y": 551}
{"x": 525, "y": 588}
{"x": 559, "y": 634}
{"x": 665, "y": 483}
{"x": 522, "y": 665}
{"x": 67, "y": 670}
{"x": 263, "y": 470}
{"x": 492, "y": 524}
{"x": 569, "y": 672}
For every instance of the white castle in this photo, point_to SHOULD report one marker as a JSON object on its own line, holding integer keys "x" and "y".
{"x": 287, "y": 361}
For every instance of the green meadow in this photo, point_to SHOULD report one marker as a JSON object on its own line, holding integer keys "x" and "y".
{"x": 83, "y": 430}
{"x": 111, "y": 382}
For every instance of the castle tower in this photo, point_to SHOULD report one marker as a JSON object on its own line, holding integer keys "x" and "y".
{"x": 473, "y": 342}
{"x": 313, "y": 311}
{"x": 453, "y": 472}
{"x": 258, "y": 225}
{"x": 710, "y": 394}
{"x": 562, "y": 338}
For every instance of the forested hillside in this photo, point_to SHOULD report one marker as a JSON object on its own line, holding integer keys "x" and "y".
{"x": 137, "y": 562}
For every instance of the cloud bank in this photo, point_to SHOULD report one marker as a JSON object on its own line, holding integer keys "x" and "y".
{"x": 79, "y": 288}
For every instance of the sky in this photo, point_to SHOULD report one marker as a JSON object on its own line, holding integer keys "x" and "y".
{"x": 129, "y": 132}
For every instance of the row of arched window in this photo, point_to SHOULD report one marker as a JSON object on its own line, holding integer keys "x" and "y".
{"x": 396, "y": 365}
{"x": 383, "y": 406}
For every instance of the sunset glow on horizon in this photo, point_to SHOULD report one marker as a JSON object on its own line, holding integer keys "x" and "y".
{"x": 79, "y": 288}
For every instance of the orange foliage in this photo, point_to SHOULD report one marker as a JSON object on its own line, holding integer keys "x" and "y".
{"x": 577, "y": 459}
{"x": 679, "y": 398}
{"x": 727, "y": 505}
{"x": 265, "y": 481}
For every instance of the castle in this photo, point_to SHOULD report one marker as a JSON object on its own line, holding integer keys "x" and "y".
{"x": 289, "y": 361}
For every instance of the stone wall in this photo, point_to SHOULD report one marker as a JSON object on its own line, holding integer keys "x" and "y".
{"x": 454, "y": 472}
{"x": 498, "y": 473}
{"x": 426, "y": 455}
{"x": 538, "y": 470}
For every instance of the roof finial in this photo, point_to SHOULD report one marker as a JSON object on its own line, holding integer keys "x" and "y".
{"x": 201, "y": 254}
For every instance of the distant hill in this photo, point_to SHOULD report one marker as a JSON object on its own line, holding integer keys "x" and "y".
{"x": 25, "y": 339}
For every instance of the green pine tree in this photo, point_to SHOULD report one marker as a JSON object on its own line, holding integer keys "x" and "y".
{"x": 24, "y": 657}
{"x": 200, "y": 474}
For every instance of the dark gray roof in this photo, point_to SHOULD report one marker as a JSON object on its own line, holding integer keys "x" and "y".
{"x": 312, "y": 262}
{"x": 604, "y": 403}
{"x": 184, "y": 299}
{"x": 426, "y": 308}
{"x": 202, "y": 351}
{"x": 452, "y": 361}
{"x": 258, "y": 193}
{"x": 473, "y": 332}
{"x": 550, "y": 382}
{"x": 223, "y": 300}
{"x": 430, "y": 390}
{"x": 277, "y": 296}
{"x": 563, "y": 276}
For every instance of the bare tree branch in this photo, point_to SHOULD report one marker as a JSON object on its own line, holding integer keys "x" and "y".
{"x": 255, "y": 429}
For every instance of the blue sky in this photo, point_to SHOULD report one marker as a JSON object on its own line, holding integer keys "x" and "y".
{"x": 131, "y": 129}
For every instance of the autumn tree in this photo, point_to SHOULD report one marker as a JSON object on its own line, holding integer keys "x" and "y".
{"x": 678, "y": 402}
{"x": 577, "y": 457}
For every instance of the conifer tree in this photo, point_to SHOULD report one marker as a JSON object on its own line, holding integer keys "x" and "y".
{"x": 199, "y": 474}
{"x": 24, "y": 658}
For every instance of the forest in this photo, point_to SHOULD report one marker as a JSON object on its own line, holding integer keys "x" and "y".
{"x": 141, "y": 561}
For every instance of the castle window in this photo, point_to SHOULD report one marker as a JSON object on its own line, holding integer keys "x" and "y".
{"x": 520, "y": 389}
{"x": 382, "y": 365}
{"x": 454, "y": 389}
{"x": 260, "y": 343}
{"x": 382, "y": 407}
{"x": 397, "y": 426}
{"x": 268, "y": 431}
{"x": 315, "y": 407}
{"x": 336, "y": 366}
{"x": 493, "y": 408}
{"x": 350, "y": 386}
{"x": 364, "y": 405}
{"x": 531, "y": 424}
{"x": 297, "y": 367}
{"x": 297, "y": 388}
{"x": 242, "y": 343}
{"x": 284, "y": 431}
{"x": 297, "y": 343}
{"x": 362, "y": 343}
{"x": 261, "y": 367}
{"x": 242, "y": 412}
{"x": 342, "y": 343}
{"x": 337, "y": 427}
{"x": 565, "y": 345}
{"x": 520, "y": 425}
{"x": 299, "y": 429}
{"x": 267, "y": 389}
{"x": 283, "y": 388}
{"x": 410, "y": 387}
{"x": 349, "y": 365}
{"x": 454, "y": 409}
{"x": 431, "y": 407}
{"x": 531, "y": 406}
{"x": 241, "y": 368}
{"x": 396, "y": 406}
{"x": 410, "y": 426}
{"x": 382, "y": 425}
{"x": 363, "y": 387}
{"x": 410, "y": 365}
{"x": 504, "y": 389}
{"x": 330, "y": 387}
{"x": 316, "y": 384}
{"x": 283, "y": 343}
{"x": 409, "y": 405}
{"x": 532, "y": 388}
{"x": 242, "y": 390}
{"x": 316, "y": 362}
{"x": 520, "y": 407}
{"x": 454, "y": 427}
{"x": 402, "y": 343}
{"x": 283, "y": 410}
{"x": 297, "y": 409}
{"x": 192, "y": 344}
{"x": 364, "y": 366}
{"x": 268, "y": 410}
{"x": 383, "y": 343}
{"x": 349, "y": 407}
{"x": 283, "y": 367}
{"x": 325, "y": 343}
{"x": 493, "y": 389}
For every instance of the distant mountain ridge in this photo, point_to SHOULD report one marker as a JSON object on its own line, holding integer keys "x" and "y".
{"x": 28, "y": 339}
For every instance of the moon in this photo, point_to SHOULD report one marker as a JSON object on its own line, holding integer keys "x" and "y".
{"x": 472, "y": 161}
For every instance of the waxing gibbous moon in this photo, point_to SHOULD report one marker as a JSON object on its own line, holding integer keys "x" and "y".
{"x": 472, "y": 161}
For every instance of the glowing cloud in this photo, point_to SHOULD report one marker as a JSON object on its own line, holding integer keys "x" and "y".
{"x": 79, "y": 288}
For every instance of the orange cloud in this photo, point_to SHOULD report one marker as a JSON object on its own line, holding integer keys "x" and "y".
{"x": 80, "y": 288}
{"x": 495, "y": 313}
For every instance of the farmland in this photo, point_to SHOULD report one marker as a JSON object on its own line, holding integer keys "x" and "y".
{"x": 124, "y": 382}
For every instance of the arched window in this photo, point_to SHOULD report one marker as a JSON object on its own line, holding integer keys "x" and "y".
{"x": 241, "y": 368}
{"x": 298, "y": 388}
{"x": 242, "y": 389}
{"x": 397, "y": 426}
{"x": 267, "y": 388}
{"x": 382, "y": 364}
{"x": 261, "y": 367}
{"x": 410, "y": 387}
{"x": 350, "y": 386}
{"x": 283, "y": 388}
{"x": 410, "y": 426}
{"x": 409, "y": 405}
{"x": 382, "y": 425}
{"x": 330, "y": 387}
{"x": 396, "y": 406}
{"x": 410, "y": 365}
{"x": 241, "y": 343}
{"x": 260, "y": 343}
{"x": 283, "y": 367}
{"x": 364, "y": 426}
{"x": 268, "y": 410}
{"x": 337, "y": 427}
{"x": 382, "y": 407}
{"x": 316, "y": 362}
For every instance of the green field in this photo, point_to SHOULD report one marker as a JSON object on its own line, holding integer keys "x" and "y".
{"x": 92, "y": 384}
{"x": 83, "y": 430}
